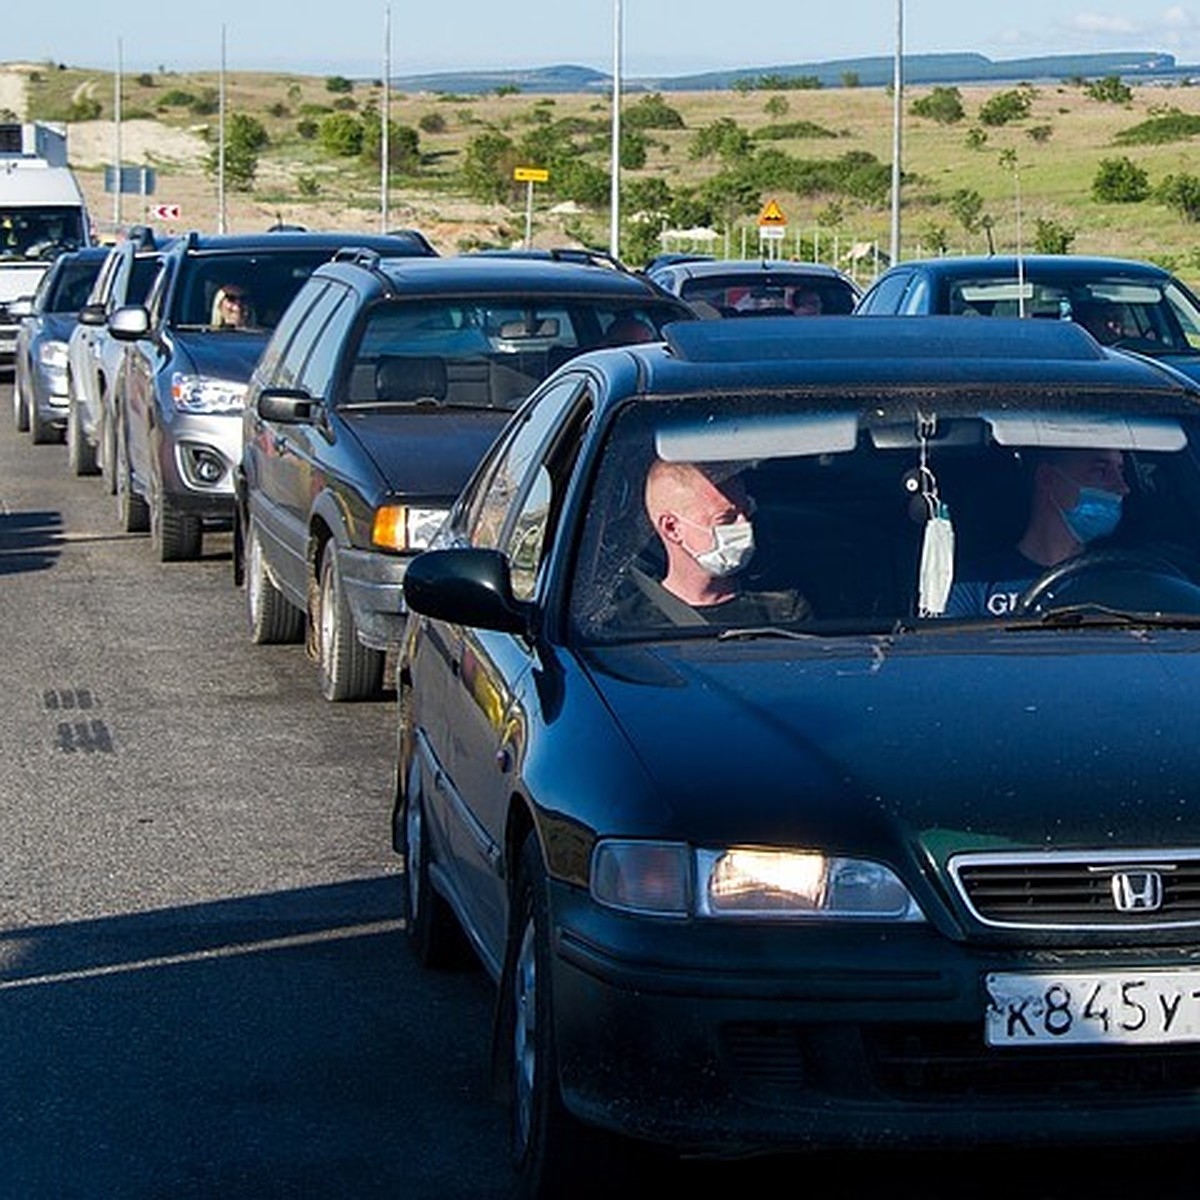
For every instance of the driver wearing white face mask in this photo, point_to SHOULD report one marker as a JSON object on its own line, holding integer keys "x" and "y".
{"x": 705, "y": 525}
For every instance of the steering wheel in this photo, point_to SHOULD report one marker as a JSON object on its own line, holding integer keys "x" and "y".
{"x": 48, "y": 248}
{"x": 1093, "y": 562}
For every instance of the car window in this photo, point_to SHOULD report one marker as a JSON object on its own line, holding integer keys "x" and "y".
{"x": 885, "y": 296}
{"x": 484, "y": 352}
{"x": 771, "y": 295}
{"x": 331, "y": 319}
{"x": 504, "y": 479}
{"x": 142, "y": 273}
{"x": 842, "y": 503}
{"x": 283, "y": 358}
{"x": 71, "y": 283}
{"x": 269, "y": 281}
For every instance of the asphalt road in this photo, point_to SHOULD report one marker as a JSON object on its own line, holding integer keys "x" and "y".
{"x": 203, "y": 985}
{"x": 204, "y": 990}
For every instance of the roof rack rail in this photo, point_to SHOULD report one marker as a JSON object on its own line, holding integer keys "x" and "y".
{"x": 360, "y": 255}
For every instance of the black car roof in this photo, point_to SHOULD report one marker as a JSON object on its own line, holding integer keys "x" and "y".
{"x": 500, "y": 274}
{"x": 392, "y": 244}
{"x": 1033, "y": 358}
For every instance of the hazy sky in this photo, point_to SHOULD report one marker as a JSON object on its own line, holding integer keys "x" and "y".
{"x": 661, "y": 36}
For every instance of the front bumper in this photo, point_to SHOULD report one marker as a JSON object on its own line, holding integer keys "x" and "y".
{"x": 740, "y": 1039}
{"x": 197, "y": 455}
{"x": 374, "y": 587}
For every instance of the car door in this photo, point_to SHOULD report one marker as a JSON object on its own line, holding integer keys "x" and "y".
{"x": 279, "y": 457}
{"x": 485, "y": 692}
{"x": 144, "y": 364}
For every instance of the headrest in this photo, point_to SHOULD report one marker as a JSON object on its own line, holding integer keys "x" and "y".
{"x": 409, "y": 378}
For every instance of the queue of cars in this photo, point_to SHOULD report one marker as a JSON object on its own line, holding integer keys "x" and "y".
{"x": 792, "y": 716}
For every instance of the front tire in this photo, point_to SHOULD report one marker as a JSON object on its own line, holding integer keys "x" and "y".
{"x": 133, "y": 514}
{"x": 81, "y": 454}
{"x": 176, "y": 536}
{"x": 271, "y": 617}
{"x": 348, "y": 669}
{"x": 20, "y": 408}
{"x": 553, "y": 1153}
{"x": 431, "y": 929}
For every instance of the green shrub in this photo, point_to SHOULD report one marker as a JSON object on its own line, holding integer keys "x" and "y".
{"x": 338, "y": 84}
{"x": 432, "y": 122}
{"x": 651, "y": 112}
{"x": 1173, "y": 126}
{"x": 1120, "y": 181}
{"x": 1109, "y": 90}
{"x": 943, "y": 105}
{"x": 1051, "y": 237}
{"x": 1004, "y": 107}
{"x": 792, "y": 131}
{"x": 1182, "y": 194}
{"x": 341, "y": 134}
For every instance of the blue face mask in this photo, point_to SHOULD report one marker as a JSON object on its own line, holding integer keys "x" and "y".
{"x": 1094, "y": 515}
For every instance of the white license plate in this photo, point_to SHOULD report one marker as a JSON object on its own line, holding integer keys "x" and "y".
{"x": 1112, "y": 1007}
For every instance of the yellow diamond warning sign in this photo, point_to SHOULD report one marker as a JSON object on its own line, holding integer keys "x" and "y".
{"x": 771, "y": 215}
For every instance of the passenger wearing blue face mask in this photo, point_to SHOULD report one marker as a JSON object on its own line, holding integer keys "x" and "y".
{"x": 703, "y": 519}
{"x": 1077, "y": 499}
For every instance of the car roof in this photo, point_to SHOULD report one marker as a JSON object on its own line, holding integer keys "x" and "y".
{"x": 1043, "y": 265}
{"x": 408, "y": 242}
{"x": 753, "y": 267}
{"x": 500, "y": 275}
{"x": 943, "y": 354}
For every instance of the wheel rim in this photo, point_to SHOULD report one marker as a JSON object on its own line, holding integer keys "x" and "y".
{"x": 524, "y": 1033}
{"x": 253, "y": 580}
{"x": 328, "y": 621}
{"x": 414, "y": 848}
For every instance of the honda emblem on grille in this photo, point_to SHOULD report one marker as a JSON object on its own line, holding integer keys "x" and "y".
{"x": 1137, "y": 891}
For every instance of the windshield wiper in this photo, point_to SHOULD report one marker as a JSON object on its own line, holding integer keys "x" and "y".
{"x": 1099, "y": 615}
{"x": 766, "y": 631}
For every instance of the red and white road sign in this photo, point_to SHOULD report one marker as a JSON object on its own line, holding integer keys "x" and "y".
{"x": 165, "y": 212}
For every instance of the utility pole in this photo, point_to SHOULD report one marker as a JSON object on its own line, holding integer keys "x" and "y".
{"x": 221, "y": 141}
{"x": 385, "y": 118}
{"x": 614, "y": 232}
{"x": 897, "y": 111}
{"x": 117, "y": 154}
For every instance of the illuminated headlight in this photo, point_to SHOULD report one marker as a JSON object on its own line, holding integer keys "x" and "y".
{"x": 670, "y": 879}
{"x": 202, "y": 394}
{"x": 403, "y": 527}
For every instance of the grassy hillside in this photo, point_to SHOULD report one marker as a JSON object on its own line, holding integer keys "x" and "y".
{"x": 1050, "y": 157}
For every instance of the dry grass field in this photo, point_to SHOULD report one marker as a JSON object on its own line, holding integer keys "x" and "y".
{"x": 1057, "y": 149}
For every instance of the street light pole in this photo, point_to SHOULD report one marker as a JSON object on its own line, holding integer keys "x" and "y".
{"x": 614, "y": 232}
{"x": 385, "y": 119}
{"x": 897, "y": 111}
{"x": 221, "y": 142}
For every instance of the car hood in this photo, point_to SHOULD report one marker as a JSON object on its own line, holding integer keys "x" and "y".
{"x": 933, "y": 743}
{"x": 218, "y": 355}
{"x": 425, "y": 452}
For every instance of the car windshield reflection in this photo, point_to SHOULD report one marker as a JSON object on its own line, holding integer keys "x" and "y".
{"x": 766, "y": 516}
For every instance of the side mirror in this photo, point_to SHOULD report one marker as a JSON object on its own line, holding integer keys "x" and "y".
{"x": 92, "y": 314}
{"x": 466, "y": 587}
{"x": 21, "y": 307}
{"x": 287, "y": 406}
{"x": 129, "y": 324}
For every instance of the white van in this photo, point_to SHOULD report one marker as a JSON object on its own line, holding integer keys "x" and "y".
{"x": 42, "y": 215}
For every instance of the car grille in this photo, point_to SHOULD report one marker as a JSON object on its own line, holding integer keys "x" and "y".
{"x": 942, "y": 1062}
{"x": 790, "y": 1065}
{"x": 1079, "y": 890}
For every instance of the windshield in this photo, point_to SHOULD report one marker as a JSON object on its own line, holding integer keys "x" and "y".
{"x": 786, "y": 513}
{"x": 40, "y": 232}
{"x": 69, "y": 285}
{"x": 771, "y": 294}
{"x": 230, "y": 292}
{"x": 485, "y": 352}
{"x": 1149, "y": 315}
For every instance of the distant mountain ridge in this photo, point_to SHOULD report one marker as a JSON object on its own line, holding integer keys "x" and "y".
{"x": 874, "y": 71}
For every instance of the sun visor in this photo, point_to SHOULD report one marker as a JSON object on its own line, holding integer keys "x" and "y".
{"x": 724, "y": 439}
{"x": 1072, "y": 430}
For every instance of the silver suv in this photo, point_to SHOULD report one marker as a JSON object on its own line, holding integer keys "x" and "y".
{"x": 192, "y": 346}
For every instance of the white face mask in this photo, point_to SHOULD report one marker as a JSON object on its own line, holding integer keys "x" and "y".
{"x": 732, "y": 548}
